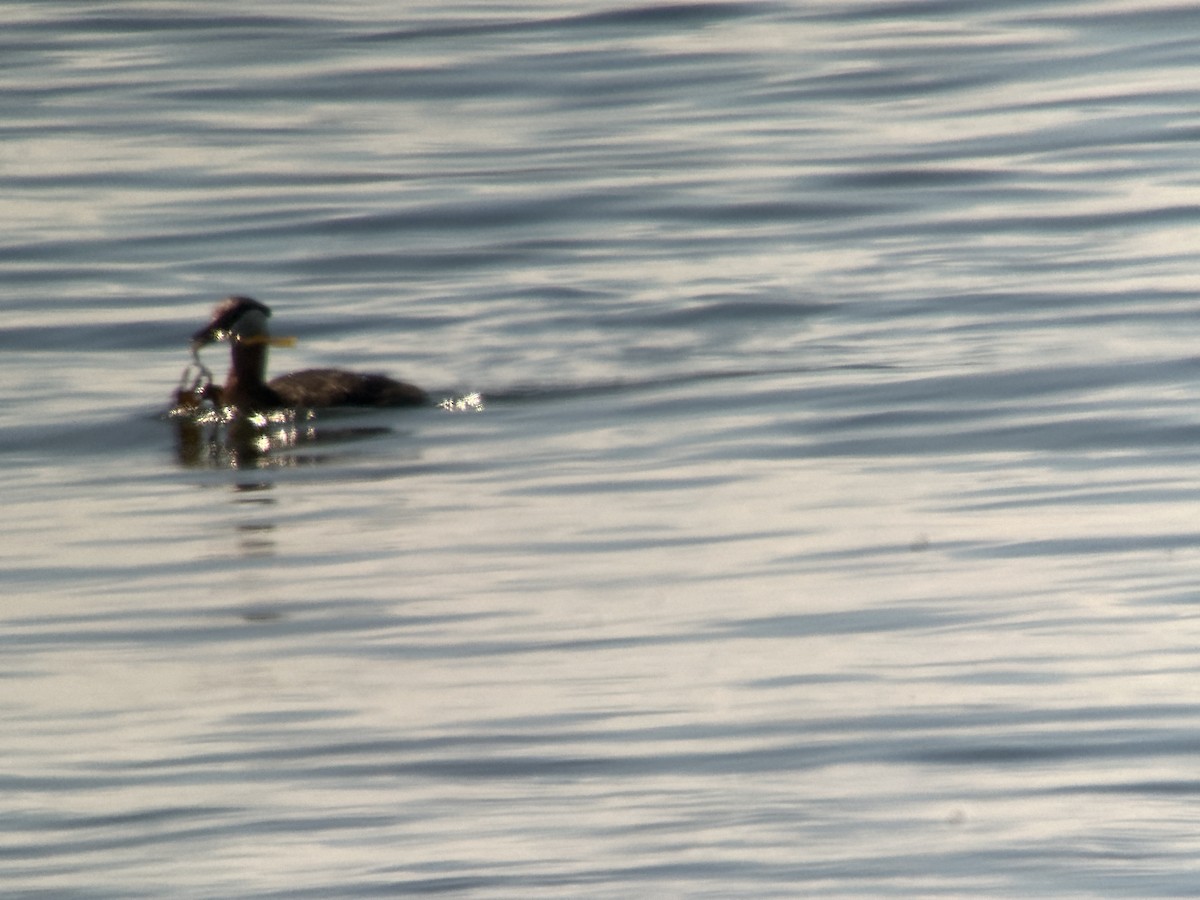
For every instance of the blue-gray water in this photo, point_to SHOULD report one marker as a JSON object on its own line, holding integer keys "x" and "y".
{"x": 831, "y": 526}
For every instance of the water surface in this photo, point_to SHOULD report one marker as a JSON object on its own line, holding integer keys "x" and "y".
{"x": 829, "y": 524}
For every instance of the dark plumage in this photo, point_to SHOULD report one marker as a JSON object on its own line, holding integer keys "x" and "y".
{"x": 243, "y": 322}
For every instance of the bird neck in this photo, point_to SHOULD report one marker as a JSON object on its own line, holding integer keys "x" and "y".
{"x": 249, "y": 369}
{"x": 246, "y": 386}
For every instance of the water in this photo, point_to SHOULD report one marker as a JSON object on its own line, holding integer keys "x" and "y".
{"x": 828, "y": 528}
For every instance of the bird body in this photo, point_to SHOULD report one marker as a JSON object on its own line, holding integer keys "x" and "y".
{"x": 337, "y": 387}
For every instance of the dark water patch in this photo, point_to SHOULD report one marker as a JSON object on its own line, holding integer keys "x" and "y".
{"x": 315, "y": 764}
{"x": 1044, "y": 748}
{"x": 587, "y": 79}
{"x": 871, "y": 556}
{"x": 864, "y": 621}
{"x": 135, "y": 246}
{"x": 506, "y": 214}
{"x": 39, "y": 277}
{"x": 1075, "y": 382}
{"x": 181, "y": 178}
{"x": 664, "y": 484}
{"x": 1042, "y": 222}
{"x": 1138, "y": 20}
{"x": 403, "y": 261}
{"x": 149, "y": 816}
{"x": 553, "y": 393}
{"x": 133, "y": 334}
{"x": 374, "y": 886}
{"x": 912, "y": 726}
{"x": 226, "y": 624}
{"x": 594, "y": 543}
{"x": 770, "y": 211}
{"x": 1127, "y": 494}
{"x": 1171, "y": 788}
{"x": 125, "y": 836}
{"x": 785, "y": 682}
{"x": 1097, "y": 545}
{"x": 712, "y": 310}
{"x": 1019, "y": 308}
{"x": 673, "y": 14}
{"x": 922, "y": 178}
{"x": 891, "y": 84}
{"x": 906, "y": 11}
{"x": 1073, "y": 436}
{"x": 690, "y": 15}
{"x": 737, "y": 388}
{"x": 119, "y": 23}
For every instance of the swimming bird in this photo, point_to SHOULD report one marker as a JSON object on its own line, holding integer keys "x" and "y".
{"x": 243, "y": 322}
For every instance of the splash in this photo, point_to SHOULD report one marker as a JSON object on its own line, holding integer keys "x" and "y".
{"x": 467, "y": 403}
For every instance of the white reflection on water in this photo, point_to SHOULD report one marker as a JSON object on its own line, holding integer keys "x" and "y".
{"x": 223, "y": 437}
{"x": 472, "y": 402}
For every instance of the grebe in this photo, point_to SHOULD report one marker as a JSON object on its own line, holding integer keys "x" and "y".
{"x": 243, "y": 322}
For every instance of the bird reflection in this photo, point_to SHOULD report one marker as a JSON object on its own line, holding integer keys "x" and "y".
{"x": 209, "y": 436}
